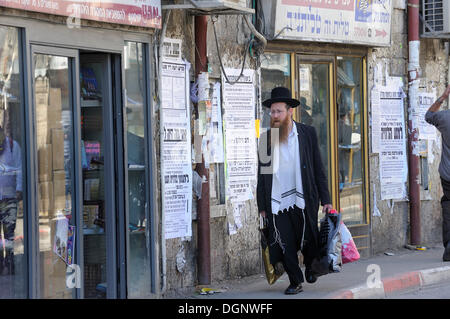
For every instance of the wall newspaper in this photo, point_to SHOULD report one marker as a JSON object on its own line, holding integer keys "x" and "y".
{"x": 240, "y": 136}
{"x": 392, "y": 147}
{"x": 176, "y": 170}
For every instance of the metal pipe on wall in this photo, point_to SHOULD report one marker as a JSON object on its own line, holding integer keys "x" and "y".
{"x": 413, "y": 133}
{"x": 203, "y": 211}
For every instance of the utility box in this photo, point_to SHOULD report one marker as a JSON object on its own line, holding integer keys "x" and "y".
{"x": 210, "y": 7}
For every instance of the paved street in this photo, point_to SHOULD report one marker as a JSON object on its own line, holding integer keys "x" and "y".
{"x": 354, "y": 281}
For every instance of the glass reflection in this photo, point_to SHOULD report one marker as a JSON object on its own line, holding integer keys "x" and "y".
{"x": 53, "y": 137}
{"x": 275, "y": 71}
{"x": 138, "y": 236}
{"x": 349, "y": 139}
{"x": 12, "y": 254}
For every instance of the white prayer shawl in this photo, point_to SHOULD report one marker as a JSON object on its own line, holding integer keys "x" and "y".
{"x": 287, "y": 187}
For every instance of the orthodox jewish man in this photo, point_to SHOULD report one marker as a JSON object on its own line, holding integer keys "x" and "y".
{"x": 291, "y": 182}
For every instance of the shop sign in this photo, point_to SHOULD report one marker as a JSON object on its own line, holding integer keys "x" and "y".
{"x": 143, "y": 13}
{"x": 365, "y": 22}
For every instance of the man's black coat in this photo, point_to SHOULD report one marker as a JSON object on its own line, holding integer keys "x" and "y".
{"x": 314, "y": 180}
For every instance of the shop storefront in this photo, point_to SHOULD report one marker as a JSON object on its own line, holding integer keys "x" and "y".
{"x": 76, "y": 159}
{"x": 320, "y": 53}
{"x": 331, "y": 90}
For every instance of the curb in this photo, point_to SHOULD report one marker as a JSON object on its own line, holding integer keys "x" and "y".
{"x": 402, "y": 282}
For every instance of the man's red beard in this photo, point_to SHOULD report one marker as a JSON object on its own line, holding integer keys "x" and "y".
{"x": 283, "y": 127}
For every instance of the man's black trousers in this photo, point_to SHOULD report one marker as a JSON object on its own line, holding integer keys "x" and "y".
{"x": 290, "y": 227}
{"x": 445, "y": 203}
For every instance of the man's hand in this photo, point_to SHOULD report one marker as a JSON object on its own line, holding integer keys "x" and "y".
{"x": 326, "y": 208}
{"x": 263, "y": 213}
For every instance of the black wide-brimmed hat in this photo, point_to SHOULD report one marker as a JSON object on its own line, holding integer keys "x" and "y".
{"x": 281, "y": 94}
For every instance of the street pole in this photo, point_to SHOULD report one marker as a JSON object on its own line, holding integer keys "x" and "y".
{"x": 413, "y": 133}
{"x": 203, "y": 213}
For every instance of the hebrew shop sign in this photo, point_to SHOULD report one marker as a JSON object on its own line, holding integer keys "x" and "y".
{"x": 346, "y": 21}
{"x": 143, "y": 13}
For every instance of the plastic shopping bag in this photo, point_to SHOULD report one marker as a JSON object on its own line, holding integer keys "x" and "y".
{"x": 349, "y": 251}
{"x": 330, "y": 255}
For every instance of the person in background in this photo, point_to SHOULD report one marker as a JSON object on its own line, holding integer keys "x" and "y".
{"x": 290, "y": 186}
{"x": 441, "y": 120}
{"x": 10, "y": 195}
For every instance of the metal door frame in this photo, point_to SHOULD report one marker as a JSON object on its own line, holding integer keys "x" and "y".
{"x": 32, "y": 169}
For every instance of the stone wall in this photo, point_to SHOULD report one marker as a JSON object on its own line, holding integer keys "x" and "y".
{"x": 232, "y": 256}
{"x": 392, "y": 229}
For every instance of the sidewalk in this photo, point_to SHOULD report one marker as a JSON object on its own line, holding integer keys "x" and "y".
{"x": 402, "y": 269}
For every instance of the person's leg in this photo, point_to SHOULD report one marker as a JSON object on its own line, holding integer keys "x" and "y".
{"x": 9, "y": 223}
{"x": 445, "y": 204}
{"x": 288, "y": 225}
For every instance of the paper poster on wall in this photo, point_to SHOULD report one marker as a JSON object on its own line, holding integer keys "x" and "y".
{"x": 393, "y": 157}
{"x": 240, "y": 136}
{"x": 426, "y": 131}
{"x": 176, "y": 169}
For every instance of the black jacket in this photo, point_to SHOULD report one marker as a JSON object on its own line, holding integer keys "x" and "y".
{"x": 314, "y": 180}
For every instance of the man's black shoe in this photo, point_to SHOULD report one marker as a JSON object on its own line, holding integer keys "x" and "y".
{"x": 446, "y": 256}
{"x": 310, "y": 277}
{"x": 293, "y": 289}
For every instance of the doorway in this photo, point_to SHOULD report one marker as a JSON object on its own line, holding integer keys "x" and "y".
{"x": 331, "y": 94}
{"x": 76, "y": 172}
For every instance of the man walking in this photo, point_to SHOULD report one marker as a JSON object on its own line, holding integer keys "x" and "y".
{"x": 442, "y": 122}
{"x": 290, "y": 185}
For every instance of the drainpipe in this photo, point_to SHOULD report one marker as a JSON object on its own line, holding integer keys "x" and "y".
{"x": 203, "y": 230}
{"x": 163, "y": 228}
{"x": 413, "y": 133}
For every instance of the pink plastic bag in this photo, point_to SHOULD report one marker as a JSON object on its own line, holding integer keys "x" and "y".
{"x": 349, "y": 251}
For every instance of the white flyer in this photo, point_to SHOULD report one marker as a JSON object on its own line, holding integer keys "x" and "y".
{"x": 426, "y": 131}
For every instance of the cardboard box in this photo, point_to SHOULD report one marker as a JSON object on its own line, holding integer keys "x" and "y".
{"x": 54, "y": 115}
{"x": 59, "y": 190}
{"x": 45, "y": 160}
{"x": 45, "y": 198}
{"x": 57, "y": 149}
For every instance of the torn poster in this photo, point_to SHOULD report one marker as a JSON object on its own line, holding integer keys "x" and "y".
{"x": 240, "y": 136}
{"x": 176, "y": 167}
{"x": 216, "y": 142}
{"x": 426, "y": 131}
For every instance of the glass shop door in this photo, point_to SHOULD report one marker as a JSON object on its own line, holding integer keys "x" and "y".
{"x": 76, "y": 172}
{"x": 331, "y": 91}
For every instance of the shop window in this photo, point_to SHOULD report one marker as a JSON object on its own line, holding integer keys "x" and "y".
{"x": 275, "y": 71}
{"x": 13, "y": 261}
{"x": 139, "y": 266}
{"x": 350, "y": 155}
